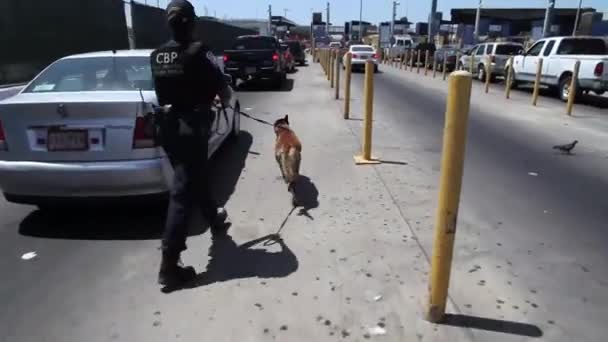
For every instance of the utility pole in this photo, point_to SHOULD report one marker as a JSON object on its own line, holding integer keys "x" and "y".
{"x": 395, "y": 4}
{"x": 270, "y": 20}
{"x": 285, "y": 10}
{"x": 477, "y": 18}
{"x": 432, "y": 21}
{"x": 548, "y": 18}
{"x": 327, "y": 23}
{"x": 578, "y": 15}
{"x": 361, "y": 20}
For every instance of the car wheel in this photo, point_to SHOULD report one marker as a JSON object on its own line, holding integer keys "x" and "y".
{"x": 236, "y": 122}
{"x": 481, "y": 73}
{"x": 564, "y": 88}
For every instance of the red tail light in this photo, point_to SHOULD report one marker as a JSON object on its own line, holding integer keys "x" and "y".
{"x": 375, "y": 56}
{"x": 143, "y": 134}
{"x": 275, "y": 57}
{"x": 226, "y": 58}
{"x": 599, "y": 69}
{"x": 355, "y": 56}
{"x": 2, "y": 138}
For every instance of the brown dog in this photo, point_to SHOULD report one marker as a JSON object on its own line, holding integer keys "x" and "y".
{"x": 287, "y": 151}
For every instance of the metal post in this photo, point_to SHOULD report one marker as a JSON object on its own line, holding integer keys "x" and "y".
{"x": 509, "y": 83}
{"x": 572, "y": 90}
{"x": 331, "y": 68}
{"x": 548, "y": 18}
{"x": 270, "y": 20}
{"x": 366, "y": 157}
{"x": 477, "y": 18}
{"x": 452, "y": 163}
{"x": 539, "y": 70}
{"x": 434, "y": 65}
{"x": 578, "y": 15}
{"x": 431, "y": 30}
{"x": 360, "y": 20}
{"x": 427, "y": 55}
{"x": 418, "y": 63}
{"x": 327, "y": 23}
{"x": 488, "y": 73}
{"x": 349, "y": 69}
{"x": 337, "y": 81}
{"x": 444, "y": 69}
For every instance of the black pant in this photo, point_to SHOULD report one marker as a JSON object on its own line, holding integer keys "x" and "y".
{"x": 188, "y": 154}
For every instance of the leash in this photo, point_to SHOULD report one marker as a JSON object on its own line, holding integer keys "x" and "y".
{"x": 255, "y": 119}
{"x": 277, "y": 234}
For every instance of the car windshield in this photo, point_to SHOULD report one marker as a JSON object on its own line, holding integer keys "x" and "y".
{"x": 95, "y": 74}
{"x": 582, "y": 47}
{"x": 362, "y": 49}
{"x": 507, "y": 49}
{"x": 254, "y": 43}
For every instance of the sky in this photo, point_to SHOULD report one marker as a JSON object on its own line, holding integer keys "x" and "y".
{"x": 374, "y": 11}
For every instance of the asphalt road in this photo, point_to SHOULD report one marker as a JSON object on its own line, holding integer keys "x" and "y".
{"x": 533, "y": 219}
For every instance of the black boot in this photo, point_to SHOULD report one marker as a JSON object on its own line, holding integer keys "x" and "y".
{"x": 172, "y": 273}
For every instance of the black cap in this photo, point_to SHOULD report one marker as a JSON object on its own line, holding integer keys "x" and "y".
{"x": 180, "y": 11}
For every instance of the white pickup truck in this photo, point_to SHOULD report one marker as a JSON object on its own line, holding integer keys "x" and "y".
{"x": 559, "y": 55}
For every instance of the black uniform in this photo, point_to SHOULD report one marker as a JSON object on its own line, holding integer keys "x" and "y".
{"x": 187, "y": 78}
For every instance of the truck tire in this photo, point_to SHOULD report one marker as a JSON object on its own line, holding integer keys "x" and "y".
{"x": 564, "y": 88}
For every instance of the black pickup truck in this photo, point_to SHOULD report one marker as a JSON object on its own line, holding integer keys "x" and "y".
{"x": 255, "y": 57}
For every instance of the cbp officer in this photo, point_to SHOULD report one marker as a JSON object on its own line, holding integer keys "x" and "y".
{"x": 186, "y": 78}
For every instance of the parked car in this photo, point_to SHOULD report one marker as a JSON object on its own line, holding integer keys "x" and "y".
{"x": 402, "y": 43}
{"x": 297, "y": 50}
{"x": 559, "y": 55}
{"x": 421, "y": 49}
{"x": 335, "y": 45}
{"x": 499, "y": 54}
{"x": 361, "y": 54}
{"x": 256, "y": 57}
{"x": 81, "y": 129}
{"x": 290, "y": 63}
{"x": 450, "y": 54}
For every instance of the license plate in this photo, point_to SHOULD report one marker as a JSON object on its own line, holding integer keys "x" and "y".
{"x": 250, "y": 70}
{"x": 68, "y": 140}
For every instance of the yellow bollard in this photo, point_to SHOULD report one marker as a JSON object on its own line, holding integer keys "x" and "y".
{"x": 573, "y": 85}
{"x": 434, "y": 66}
{"x": 337, "y": 80}
{"x": 331, "y": 68}
{"x": 509, "y": 83}
{"x": 412, "y": 61}
{"x": 366, "y": 157}
{"x": 418, "y": 63}
{"x": 452, "y": 162}
{"x": 539, "y": 70}
{"x": 407, "y": 59}
{"x": 426, "y": 62}
{"x": 402, "y": 60}
{"x": 444, "y": 69}
{"x": 349, "y": 69}
{"x": 488, "y": 73}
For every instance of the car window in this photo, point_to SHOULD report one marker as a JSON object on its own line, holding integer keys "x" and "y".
{"x": 95, "y": 74}
{"x": 255, "y": 43}
{"x": 480, "y": 50}
{"x": 507, "y": 49}
{"x": 578, "y": 46}
{"x": 489, "y": 49}
{"x": 362, "y": 49}
{"x": 535, "y": 49}
{"x": 548, "y": 48}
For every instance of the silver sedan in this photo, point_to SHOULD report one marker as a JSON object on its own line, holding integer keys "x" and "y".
{"x": 78, "y": 130}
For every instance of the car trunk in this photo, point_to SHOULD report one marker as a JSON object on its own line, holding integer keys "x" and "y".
{"x": 250, "y": 58}
{"x": 79, "y": 126}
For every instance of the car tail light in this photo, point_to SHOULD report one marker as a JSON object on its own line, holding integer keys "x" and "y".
{"x": 599, "y": 69}
{"x": 355, "y": 56}
{"x": 143, "y": 134}
{"x": 2, "y": 138}
{"x": 375, "y": 56}
{"x": 275, "y": 57}
{"x": 226, "y": 58}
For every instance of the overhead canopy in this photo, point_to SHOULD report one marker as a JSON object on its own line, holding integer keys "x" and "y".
{"x": 278, "y": 20}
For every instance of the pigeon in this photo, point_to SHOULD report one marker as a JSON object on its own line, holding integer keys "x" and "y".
{"x": 567, "y": 148}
